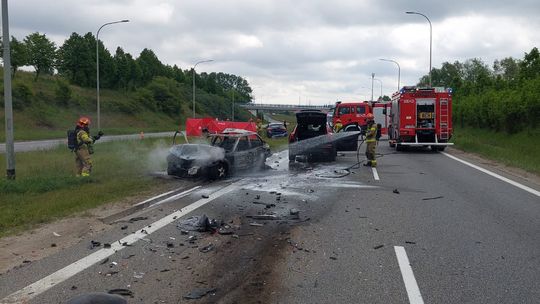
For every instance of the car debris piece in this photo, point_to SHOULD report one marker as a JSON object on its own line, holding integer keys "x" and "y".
{"x": 205, "y": 196}
{"x": 56, "y": 234}
{"x": 124, "y": 227}
{"x": 207, "y": 248}
{"x": 257, "y": 196}
{"x": 170, "y": 245}
{"x": 378, "y": 247}
{"x": 106, "y": 245}
{"x": 333, "y": 258}
{"x": 263, "y": 217}
{"x": 432, "y": 198}
{"x": 198, "y": 293}
{"x": 225, "y": 230}
{"x": 94, "y": 244}
{"x": 104, "y": 261}
{"x": 138, "y": 275}
{"x": 256, "y": 224}
{"x": 138, "y": 218}
{"x": 198, "y": 223}
{"x": 396, "y": 191}
{"x": 294, "y": 211}
{"x": 53, "y": 245}
{"x": 121, "y": 291}
{"x": 410, "y": 242}
{"x": 97, "y": 297}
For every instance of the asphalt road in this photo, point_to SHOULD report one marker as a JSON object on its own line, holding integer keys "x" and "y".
{"x": 35, "y": 145}
{"x": 430, "y": 230}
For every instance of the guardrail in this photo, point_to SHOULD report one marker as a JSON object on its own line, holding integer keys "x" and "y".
{"x": 285, "y": 107}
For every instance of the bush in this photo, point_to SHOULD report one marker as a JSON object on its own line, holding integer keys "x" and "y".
{"x": 63, "y": 92}
{"x": 22, "y": 96}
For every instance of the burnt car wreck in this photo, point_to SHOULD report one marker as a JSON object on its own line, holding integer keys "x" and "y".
{"x": 230, "y": 151}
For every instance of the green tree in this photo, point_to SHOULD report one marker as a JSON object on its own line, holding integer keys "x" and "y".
{"x": 19, "y": 54}
{"x": 76, "y": 60}
{"x": 150, "y": 66}
{"x": 530, "y": 65}
{"x": 41, "y": 53}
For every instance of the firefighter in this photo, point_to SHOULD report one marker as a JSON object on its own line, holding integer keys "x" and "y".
{"x": 259, "y": 126}
{"x": 84, "y": 146}
{"x": 337, "y": 125}
{"x": 371, "y": 141}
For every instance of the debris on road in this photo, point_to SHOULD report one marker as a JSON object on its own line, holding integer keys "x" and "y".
{"x": 225, "y": 230}
{"x": 121, "y": 291}
{"x": 378, "y": 247}
{"x": 198, "y": 223}
{"x": 94, "y": 244}
{"x": 396, "y": 191}
{"x": 138, "y": 218}
{"x": 56, "y": 234}
{"x": 333, "y": 258}
{"x": 138, "y": 275}
{"x": 256, "y": 224}
{"x": 124, "y": 227}
{"x": 97, "y": 297}
{"x": 205, "y": 196}
{"x": 410, "y": 242}
{"x": 263, "y": 217}
{"x": 198, "y": 293}
{"x": 104, "y": 261}
{"x": 207, "y": 248}
{"x": 294, "y": 211}
{"x": 432, "y": 198}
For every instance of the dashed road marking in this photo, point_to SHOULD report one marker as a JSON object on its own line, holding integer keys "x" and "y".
{"x": 37, "y": 288}
{"x": 413, "y": 292}
{"x": 375, "y": 173}
{"x": 504, "y": 179}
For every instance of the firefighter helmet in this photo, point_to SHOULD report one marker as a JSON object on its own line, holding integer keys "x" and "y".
{"x": 370, "y": 116}
{"x": 83, "y": 122}
{"x": 338, "y": 120}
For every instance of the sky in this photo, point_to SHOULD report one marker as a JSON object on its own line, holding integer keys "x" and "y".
{"x": 297, "y": 51}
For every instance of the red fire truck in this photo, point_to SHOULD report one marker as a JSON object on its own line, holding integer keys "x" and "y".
{"x": 421, "y": 117}
{"x": 351, "y": 113}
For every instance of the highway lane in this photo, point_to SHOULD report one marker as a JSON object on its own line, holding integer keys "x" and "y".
{"x": 47, "y": 144}
{"x": 469, "y": 237}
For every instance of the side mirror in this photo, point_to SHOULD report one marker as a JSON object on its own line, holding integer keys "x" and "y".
{"x": 384, "y": 111}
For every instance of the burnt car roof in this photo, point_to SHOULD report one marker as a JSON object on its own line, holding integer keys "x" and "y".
{"x": 230, "y": 132}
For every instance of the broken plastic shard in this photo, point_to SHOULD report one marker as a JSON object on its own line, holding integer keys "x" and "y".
{"x": 225, "y": 230}
{"x": 205, "y": 196}
{"x": 396, "y": 191}
{"x": 198, "y": 293}
{"x": 94, "y": 244}
{"x": 138, "y": 275}
{"x": 432, "y": 198}
{"x": 96, "y": 297}
{"x": 256, "y": 224}
{"x": 198, "y": 223}
{"x": 378, "y": 247}
{"x": 294, "y": 211}
{"x": 56, "y": 234}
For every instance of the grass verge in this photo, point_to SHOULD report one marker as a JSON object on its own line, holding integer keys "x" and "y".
{"x": 521, "y": 150}
{"x": 47, "y": 189}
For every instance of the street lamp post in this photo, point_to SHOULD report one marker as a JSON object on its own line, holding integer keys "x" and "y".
{"x": 430, "y": 40}
{"x": 8, "y": 101}
{"x": 399, "y": 70}
{"x": 232, "y": 112}
{"x": 380, "y": 81}
{"x": 97, "y": 69}
{"x": 372, "y": 77}
{"x": 203, "y": 61}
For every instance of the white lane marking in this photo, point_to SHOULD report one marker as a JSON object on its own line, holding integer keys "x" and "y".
{"x": 36, "y": 288}
{"x": 155, "y": 197}
{"x": 176, "y": 196}
{"x": 504, "y": 179}
{"x": 413, "y": 292}
{"x": 375, "y": 173}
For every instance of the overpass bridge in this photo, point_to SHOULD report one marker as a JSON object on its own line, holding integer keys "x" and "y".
{"x": 284, "y": 107}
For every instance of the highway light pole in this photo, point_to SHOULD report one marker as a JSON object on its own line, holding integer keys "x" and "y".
{"x": 232, "y": 114}
{"x": 203, "y": 61}
{"x": 8, "y": 105}
{"x": 399, "y": 70}
{"x": 430, "y": 39}
{"x": 380, "y": 81}
{"x": 97, "y": 69}
{"x": 372, "y": 77}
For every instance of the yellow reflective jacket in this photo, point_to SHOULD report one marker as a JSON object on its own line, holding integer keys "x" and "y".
{"x": 371, "y": 133}
{"x": 83, "y": 138}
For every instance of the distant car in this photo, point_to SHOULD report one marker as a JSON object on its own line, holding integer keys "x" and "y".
{"x": 312, "y": 137}
{"x": 229, "y": 151}
{"x": 276, "y": 130}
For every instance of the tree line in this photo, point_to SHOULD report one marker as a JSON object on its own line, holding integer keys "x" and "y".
{"x": 504, "y": 96}
{"x": 75, "y": 60}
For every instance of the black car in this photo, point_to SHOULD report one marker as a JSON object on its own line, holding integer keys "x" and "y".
{"x": 312, "y": 137}
{"x": 276, "y": 130}
{"x": 229, "y": 151}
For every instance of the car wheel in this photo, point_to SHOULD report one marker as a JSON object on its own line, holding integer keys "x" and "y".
{"x": 218, "y": 171}
{"x": 292, "y": 158}
{"x": 441, "y": 148}
{"x": 171, "y": 170}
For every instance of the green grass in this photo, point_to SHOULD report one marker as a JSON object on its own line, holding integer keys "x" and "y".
{"x": 521, "y": 150}
{"x": 46, "y": 188}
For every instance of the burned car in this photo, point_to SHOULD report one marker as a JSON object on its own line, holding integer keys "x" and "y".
{"x": 229, "y": 151}
{"x": 312, "y": 137}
